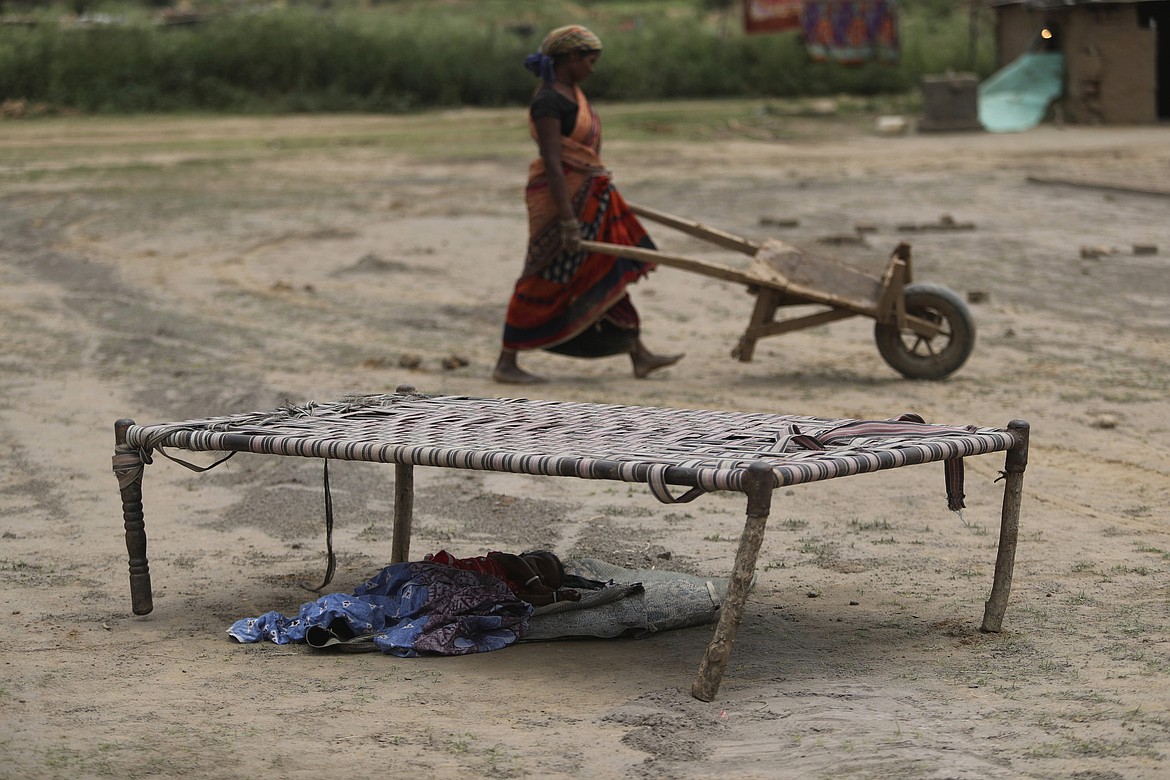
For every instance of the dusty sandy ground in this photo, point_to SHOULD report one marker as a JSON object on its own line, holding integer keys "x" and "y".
{"x": 170, "y": 269}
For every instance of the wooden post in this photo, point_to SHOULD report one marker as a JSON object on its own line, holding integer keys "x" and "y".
{"x": 403, "y": 502}
{"x": 128, "y": 469}
{"x": 403, "y": 512}
{"x": 1013, "y": 473}
{"x": 759, "y": 484}
{"x": 890, "y": 308}
{"x": 763, "y": 313}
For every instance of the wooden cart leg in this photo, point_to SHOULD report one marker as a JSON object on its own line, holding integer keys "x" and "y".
{"x": 760, "y": 484}
{"x": 764, "y": 312}
{"x": 1013, "y": 473}
{"x": 403, "y": 512}
{"x": 128, "y": 469}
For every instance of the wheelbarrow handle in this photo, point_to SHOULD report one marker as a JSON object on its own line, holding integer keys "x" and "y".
{"x": 682, "y": 262}
{"x": 697, "y": 229}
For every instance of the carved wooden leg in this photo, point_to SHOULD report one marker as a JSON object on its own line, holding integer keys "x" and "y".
{"x": 1005, "y": 560}
{"x": 128, "y": 468}
{"x": 403, "y": 512}
{"x": 760, "y": 484}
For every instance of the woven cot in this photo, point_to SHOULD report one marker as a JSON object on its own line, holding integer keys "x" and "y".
{"x": 665, "y": 448}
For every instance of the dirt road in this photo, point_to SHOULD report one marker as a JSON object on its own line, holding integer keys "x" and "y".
{"x": 164, "y": 269}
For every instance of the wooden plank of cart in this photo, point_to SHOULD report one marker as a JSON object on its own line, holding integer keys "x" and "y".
{"x": 923, "y": 331}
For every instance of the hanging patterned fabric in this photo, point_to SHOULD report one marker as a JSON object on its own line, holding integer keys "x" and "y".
{"x": 851, "y": 32}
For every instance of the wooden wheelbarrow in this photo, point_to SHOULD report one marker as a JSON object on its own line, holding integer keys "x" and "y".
{"x": 923, "y": 331}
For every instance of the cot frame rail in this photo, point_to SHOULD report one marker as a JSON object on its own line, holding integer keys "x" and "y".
{"x": 758, "y": 485}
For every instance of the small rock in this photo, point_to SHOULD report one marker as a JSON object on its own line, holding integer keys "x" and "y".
{"x": 779, "y": 222}
{"x": 372, "y": 263}
{"x": 666, "y": 556}
{"x": 842, "y": 239}
{"x": 409, "y": 360}
{"x": 865, "y": 227}
{"x": 1104, "y": 422}
{"x": 1145, "y": 249}
{"x": 1093, "y": 252}
{"x": 977, "y": 296}
{"x": 452, "y": 362}
{"x": 891, "y": 125}
{"x": 947, "y": 222}
{"x": 854, "y": 603}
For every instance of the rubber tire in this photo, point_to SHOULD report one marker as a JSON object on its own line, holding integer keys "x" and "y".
{"x": 918, "y": 359}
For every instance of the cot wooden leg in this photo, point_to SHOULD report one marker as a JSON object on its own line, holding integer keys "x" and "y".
{"x": 1013, "y": 473}
{"x": 128, "y": 468}
{"x": 403, "y": 512}
{"x": 760, "y": 484}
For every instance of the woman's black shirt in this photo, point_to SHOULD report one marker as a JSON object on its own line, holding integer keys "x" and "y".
{"x": 549, "y": 102}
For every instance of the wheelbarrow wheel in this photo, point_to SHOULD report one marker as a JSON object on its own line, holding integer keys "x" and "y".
{"x": 920, "y": 357}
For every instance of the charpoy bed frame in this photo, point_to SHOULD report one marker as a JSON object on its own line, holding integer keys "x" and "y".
{"x": 663, "y": 448}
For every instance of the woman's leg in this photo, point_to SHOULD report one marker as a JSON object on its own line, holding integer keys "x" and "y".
{"x": 646, "y": 362}
{"x": 508, "y": 372}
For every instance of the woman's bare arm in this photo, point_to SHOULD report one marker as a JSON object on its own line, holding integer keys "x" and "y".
{"x": 548, "y": 135}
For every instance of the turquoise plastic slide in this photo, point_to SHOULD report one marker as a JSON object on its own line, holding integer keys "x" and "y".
{"x": 1017, "y": 96}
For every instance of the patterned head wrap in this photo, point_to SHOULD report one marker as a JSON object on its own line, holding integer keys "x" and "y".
{"x": 562, "y": 40}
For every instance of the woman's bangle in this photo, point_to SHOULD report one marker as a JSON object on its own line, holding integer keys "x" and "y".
{"x": 554, "y": 597}
{"x": 532, "y": 579}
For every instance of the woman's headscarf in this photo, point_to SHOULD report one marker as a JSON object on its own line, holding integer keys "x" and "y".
{"x": 562, "y": 40}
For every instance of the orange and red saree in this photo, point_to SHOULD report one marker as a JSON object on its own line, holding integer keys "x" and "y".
{"x": 575, "y": 303}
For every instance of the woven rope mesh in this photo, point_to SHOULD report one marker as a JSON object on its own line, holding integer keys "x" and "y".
{"x": 705, "y": 447}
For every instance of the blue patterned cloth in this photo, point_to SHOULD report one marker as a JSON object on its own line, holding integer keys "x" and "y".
{"x": 407, "y": 609}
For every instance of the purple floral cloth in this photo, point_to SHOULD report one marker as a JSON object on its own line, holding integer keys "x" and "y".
{"x": 407, "y": 609}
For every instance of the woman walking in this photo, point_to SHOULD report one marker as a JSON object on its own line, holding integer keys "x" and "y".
{"x": 568, "y": 300}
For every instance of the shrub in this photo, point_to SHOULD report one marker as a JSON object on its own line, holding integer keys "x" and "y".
{"x": 402, "y": 56}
